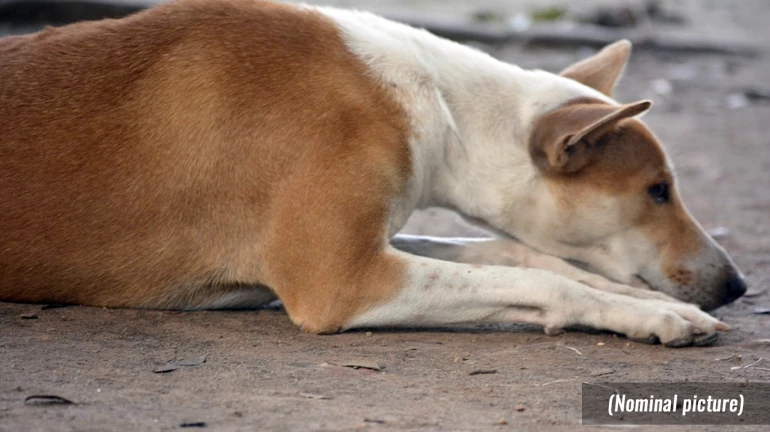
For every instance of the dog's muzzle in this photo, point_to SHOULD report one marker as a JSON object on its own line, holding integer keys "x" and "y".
{"x": 733, "y": 289}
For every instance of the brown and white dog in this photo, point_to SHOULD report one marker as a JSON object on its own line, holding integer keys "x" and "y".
{"x": 222, "y": 153}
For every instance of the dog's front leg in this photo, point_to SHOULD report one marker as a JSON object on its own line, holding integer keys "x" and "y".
{"x": 437, "y": 292}
{"x": 512, "y": 253}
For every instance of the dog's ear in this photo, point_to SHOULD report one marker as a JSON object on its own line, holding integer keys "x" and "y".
{"x": 602, "y": 70}
{"x": 564, "y": 140}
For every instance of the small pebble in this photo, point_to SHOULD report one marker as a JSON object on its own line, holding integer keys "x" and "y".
{"x": 600, "y": 344}
{"x": 736, "y": 101}
{"x": 29, "y": 317}
{"x": 719, "y": 232}
{"x": 661, "y": 86}
{"x": 519, "y": 408}
{"x": 368, "y": 334}
{"x": 503, "y": 422}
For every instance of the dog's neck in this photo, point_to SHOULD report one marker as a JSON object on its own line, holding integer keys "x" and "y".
{"x": 487, "y": 173}
{"x": 471, "y": 116}
{"x": 480, "y": 164}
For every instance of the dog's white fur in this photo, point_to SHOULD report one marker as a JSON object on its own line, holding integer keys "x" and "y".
{"x": 463, "y": 103}
{"x": 441, "y": 84}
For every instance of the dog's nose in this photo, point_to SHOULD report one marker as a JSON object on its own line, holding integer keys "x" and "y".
{"x": 734, "y": 288}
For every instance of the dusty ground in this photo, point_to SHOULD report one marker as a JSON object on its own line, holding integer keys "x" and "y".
{"x": 262, "y": 373}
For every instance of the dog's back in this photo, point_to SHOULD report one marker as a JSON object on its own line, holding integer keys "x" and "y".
{"x": 136, "y": 156}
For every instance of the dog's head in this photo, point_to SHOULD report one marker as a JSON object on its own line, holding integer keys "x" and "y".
{"x": 608, "y": 196}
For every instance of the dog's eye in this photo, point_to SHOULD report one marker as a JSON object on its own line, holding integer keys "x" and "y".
{"x": 659, "y": 192}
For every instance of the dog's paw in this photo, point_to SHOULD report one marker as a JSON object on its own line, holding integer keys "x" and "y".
{"x": 675, "y": 325}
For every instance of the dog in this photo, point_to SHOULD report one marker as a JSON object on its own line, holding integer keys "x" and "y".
{"x": 220, "y": 154}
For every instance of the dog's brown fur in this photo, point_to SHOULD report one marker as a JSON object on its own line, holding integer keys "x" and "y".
{"x": 139, "y": 162}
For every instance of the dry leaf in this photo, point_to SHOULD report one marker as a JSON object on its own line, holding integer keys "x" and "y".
{"x": 361, "y": 364}
{"x": 47, "y": 400}
{"x": 314, "y": 396}
{"x": 169, "y": 367}
{"x": 483, "y": 372}
{"x": 177, "y": 364}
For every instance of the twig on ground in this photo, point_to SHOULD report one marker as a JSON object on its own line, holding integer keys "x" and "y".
{"x": 555, "y": 382}
{"x": 573, "y": 349}
{"x": 750, "y": 365}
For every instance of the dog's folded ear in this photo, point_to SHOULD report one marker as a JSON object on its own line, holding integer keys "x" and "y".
{"x": 602, "y": 70}
{"x": 565, "y": 140}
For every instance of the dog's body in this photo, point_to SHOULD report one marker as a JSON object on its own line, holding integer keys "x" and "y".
{"x": 216, "y": 154}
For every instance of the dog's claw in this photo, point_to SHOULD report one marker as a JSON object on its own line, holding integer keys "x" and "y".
{"x": 722, "y": 326}
{"x": 650, "y": 340}
{"x": 706, "y": 340}
{"x": 678, "y": 343}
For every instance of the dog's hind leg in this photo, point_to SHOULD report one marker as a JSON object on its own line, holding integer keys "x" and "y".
{"x": 212, "y": 296}
{"x": 511, "y": 253}
{"x": 241, "y": 297}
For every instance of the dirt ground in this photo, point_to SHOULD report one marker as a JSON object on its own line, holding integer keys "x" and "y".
{"x": 260, "y": 372}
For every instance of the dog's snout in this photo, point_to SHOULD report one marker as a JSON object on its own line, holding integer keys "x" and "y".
{"x": 734, "y": 288}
